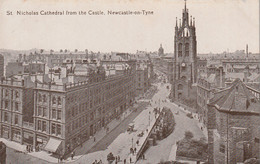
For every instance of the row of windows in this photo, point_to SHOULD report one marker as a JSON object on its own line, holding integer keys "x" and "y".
{"x": 55, "y": 114}
{"x": 43, "y": 98}
{"x": 6, "y": 118}
{"x": 16, "y": 94}
{"x": 6, "y": 105}
{"x": 80, "y": 122}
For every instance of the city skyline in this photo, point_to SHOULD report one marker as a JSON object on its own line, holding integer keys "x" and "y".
{"x": 106, "y": 33}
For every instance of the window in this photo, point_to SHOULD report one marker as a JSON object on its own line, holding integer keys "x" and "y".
{"x": 53, "y": 128}
{"x": 40, "y": 98}
{"x": 59, "y": 101}
{"x": 53, "y": 114}
{"x": 39, "y": 125}
{"x": 58, "y": 129}
{"x": 6, "y": 93}
{"x": 44, "y": 126}
{"x": 59, "y": 115}
{"x": 16, "y": 106}
{"x": 222, "y": 148}
{"x": 16, "y": 94}
{"x": 44, "y": 112}
{"x": 180, "y": 50}
{"x": 6, "y": 117}
{"x": 187, "y": 49}
{"x": 44, "y": 98}
{"x": 39, "y": 111}
{"x": 6, "y": 104}
{"x": 53, "y": 100}
{"x": 16, "y": 119}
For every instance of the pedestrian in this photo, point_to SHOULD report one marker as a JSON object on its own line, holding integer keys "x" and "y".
{"x": 130, "y": 160}
{"x": 100, "y": 161}
{"x": 135, "y": 149}
{"x": 137, "y": 142}
{"x": 118, "y": 157}
{"x": 94, "y": 139}
{"x": 124, "y": 161}
{"x": 72, "y": 155}
{"x": 143, "y": 156}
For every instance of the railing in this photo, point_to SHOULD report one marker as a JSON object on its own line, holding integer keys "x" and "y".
{"x": 149, "y": 134}
{"x": 255, "y": 92}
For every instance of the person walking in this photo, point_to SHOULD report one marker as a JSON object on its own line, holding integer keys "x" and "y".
{"x": 72, "y": 155}
{"x": 124, "y": 161}
{"x": 94, "y": 139}
{"x": 130, "y": 160}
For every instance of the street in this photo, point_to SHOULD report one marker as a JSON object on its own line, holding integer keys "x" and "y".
{"x": 162, "y": 151}
{"x": 118, "y": 141}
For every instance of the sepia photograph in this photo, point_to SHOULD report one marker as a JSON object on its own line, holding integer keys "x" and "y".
{"x": 129, "y": 82}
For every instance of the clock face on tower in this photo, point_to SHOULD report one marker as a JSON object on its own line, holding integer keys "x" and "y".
{"x": 183, "y": 64}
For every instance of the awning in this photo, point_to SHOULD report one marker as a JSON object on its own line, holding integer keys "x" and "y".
{"x": 52, "y": 145}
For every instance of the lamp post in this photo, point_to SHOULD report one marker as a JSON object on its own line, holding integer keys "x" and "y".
{"x": 149, "y": 117}
{"x": 132, "y": 142}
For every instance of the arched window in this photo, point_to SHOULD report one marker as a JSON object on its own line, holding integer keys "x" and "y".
{"x": 180, "y": 87}
{"x": 186, "y": 32}
{"x": 187, "y": 49}
{"x": 180, "y": 50}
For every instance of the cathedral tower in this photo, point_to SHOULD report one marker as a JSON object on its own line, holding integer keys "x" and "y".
{"x": 185, "y": 56}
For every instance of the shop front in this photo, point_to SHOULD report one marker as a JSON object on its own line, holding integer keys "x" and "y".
{"x": 54, "y": 146}
{"x": 17, "y": 137}
{"x": 28, "y": 138}
{"x": 41, "y": 141}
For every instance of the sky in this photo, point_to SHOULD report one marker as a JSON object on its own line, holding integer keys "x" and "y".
{"x": 221, "y": 25}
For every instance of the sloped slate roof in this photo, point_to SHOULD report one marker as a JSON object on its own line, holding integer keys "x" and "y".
{"x": 236, "y": 98}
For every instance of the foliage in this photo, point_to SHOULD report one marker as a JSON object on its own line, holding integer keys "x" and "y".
{"x": 192, "y": 148}
{"x": 168, "y": 122}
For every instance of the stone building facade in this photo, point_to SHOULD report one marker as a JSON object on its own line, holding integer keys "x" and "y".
{"x": 58, "y": 117}
{"x": 2, "y": 63}
{"x": 185, "y": 58}
{"x": 233, "y": 125}
{"x": 16, "y": 109}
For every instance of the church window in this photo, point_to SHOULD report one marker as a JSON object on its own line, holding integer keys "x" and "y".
{"x": 179, "y": 50}
{"x": 187, "y": 49}
{"x": 186, "y": 32}
{"x": 180, "y": 87}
